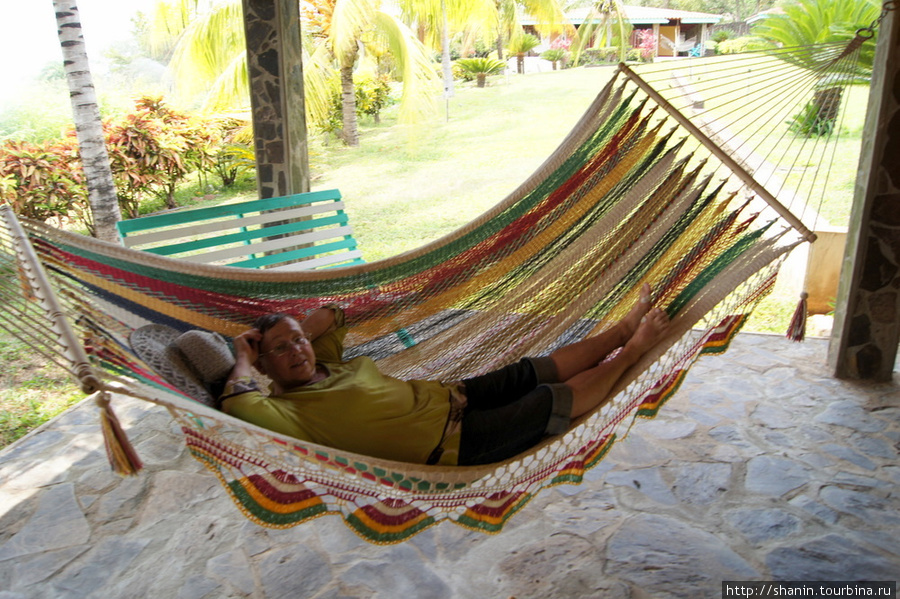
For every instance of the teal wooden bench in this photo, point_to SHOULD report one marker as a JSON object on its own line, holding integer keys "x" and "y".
{"x": 298, "y": 232}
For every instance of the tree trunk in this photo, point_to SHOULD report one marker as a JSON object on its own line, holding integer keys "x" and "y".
{"x": 828, "y": 105}
{"x": 350, "y": 132}
{"x": 481, "y": 78}
{"x": 499, "y": 47}
{"x": 88, "y": 124}
{"x": 520, "y": 63}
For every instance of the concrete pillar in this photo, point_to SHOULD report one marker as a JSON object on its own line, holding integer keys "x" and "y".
{"x": 276, "y": 96}
{"x": 867, "y": 318}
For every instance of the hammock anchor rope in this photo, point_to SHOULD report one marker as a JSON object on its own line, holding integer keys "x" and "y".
{"x": 716, "y": 151}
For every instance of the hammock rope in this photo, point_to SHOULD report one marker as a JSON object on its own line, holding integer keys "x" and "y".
{"x": 630, "y": 196}
{"x": 738, "y": 106}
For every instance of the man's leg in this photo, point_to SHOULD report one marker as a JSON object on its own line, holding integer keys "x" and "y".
{"x": 584, "y": 355}
{"x": 591, "y": 387}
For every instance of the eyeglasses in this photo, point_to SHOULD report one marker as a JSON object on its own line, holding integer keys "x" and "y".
{"x": 299, "y": 342}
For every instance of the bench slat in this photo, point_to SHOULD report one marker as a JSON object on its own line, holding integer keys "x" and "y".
{"x": 222, "y": 210}
{"x": 221, "y": 226}
{"x": 244, "y": 236}
{"x": 311, "y": 227}
{"x": 281, "y": 257}
{"x": 282, "y": 243}
{"x": 354, "y": 257}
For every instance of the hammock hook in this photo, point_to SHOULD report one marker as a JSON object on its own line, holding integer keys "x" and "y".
{"x": 867, "y": 33}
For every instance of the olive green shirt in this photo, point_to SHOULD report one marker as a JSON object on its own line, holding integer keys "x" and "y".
{"x": 355, "y": 408}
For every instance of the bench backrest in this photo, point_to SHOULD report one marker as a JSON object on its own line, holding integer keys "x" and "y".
{"x": 298, "y": 232}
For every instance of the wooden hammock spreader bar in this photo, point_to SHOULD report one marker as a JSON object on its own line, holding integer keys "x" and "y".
{"x": 80, "y": 364}
{"x": 727, "y": 160}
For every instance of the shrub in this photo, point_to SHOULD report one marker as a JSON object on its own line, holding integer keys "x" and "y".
{"x": 819, "y": 116}
{"x": 234, "y": 155}
{"x": 722, "y": 35}
{"x": 646, "y": 44}
{"x": 373, "y": 93}
{"x": 43, "y": 181}
{"x": 554, "y": 55}
{"x": 153, "y": 149}
{"x": 480, "y": 68}
{"x": 743, "y": 44}
{"x": 634, "y": 55}
{"x": 599, "y": 56}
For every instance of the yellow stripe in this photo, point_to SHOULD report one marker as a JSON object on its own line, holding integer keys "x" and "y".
{"x": 385, "y": 528}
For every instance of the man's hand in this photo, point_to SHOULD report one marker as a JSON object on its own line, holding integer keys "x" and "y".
{"x": 246, "y": 353}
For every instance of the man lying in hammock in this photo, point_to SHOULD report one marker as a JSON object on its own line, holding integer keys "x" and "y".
{"x": 317, "y": 397}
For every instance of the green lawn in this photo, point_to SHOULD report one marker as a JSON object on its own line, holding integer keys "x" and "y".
{"x": 31, "y": 390}
{"x": 403, "y": 190}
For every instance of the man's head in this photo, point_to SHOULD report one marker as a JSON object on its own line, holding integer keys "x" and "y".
{"x": 285, "y": 354}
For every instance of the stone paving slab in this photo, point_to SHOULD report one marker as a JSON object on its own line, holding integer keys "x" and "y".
{"x": 762, "y": 467}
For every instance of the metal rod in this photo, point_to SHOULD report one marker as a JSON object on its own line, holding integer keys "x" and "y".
{"x": 719, "y": 153}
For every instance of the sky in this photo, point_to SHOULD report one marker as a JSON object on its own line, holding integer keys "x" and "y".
{"x": 29, "y": 41}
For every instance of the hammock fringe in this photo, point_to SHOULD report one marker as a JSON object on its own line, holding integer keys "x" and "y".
{"x": 797, "y": 329}
{"x": 123, "y": 459}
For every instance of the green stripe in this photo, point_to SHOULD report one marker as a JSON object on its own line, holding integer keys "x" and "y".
{"x": 388, "y": 537}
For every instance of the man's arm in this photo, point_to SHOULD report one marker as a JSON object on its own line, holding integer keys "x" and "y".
{"x": 319, "y": 322}
{"x": 246, "y": 352}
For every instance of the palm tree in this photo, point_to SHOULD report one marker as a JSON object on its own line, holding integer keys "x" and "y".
{"x": 88, "y": 124}
{"x": 490, "y": 19}
{"x": 481, "y": 67}
{"x": 520, "y": 45}
{"x": 605, "y": 26}
{"x": 813, "y": 22}
{"x": 349, "y": 29}
{"x": 210, "y": 55}
{"x": 548, "y": 14}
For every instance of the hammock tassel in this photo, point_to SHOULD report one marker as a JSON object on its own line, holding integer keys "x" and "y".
{"x": 122, "y": 457}
{"x": 797, "y": 328}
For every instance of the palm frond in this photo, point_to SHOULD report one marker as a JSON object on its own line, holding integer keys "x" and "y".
{"x": 420, "y": 82}
{"x": 350, "y": 19}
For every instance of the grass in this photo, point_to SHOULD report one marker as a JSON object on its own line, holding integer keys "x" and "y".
{"x": 32, "y": 391}
{"x": 402, "y": 192}
{"x": 403, "y": 189}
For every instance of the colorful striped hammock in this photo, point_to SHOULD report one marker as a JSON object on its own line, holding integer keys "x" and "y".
{"x": 624, "y": 200}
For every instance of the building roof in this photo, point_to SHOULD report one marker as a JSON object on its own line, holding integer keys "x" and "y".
{"x": 641, "y": 15}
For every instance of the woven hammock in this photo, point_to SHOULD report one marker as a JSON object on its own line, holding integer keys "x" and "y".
{"x": 628, "y": 197}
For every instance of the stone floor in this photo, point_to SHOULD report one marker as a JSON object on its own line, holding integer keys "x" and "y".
{"x": 762, "y": 467}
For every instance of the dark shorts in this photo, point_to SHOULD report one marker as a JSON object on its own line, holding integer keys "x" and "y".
{"x": 511, "y": 410}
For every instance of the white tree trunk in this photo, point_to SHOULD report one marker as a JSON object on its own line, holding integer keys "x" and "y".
{"x": 350, "y": 131}
{"x": 88, "y": 125}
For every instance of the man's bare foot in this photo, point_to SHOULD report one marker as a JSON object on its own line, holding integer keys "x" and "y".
{"x": 651, "y": 329}
{"x": 633, "y": 319}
